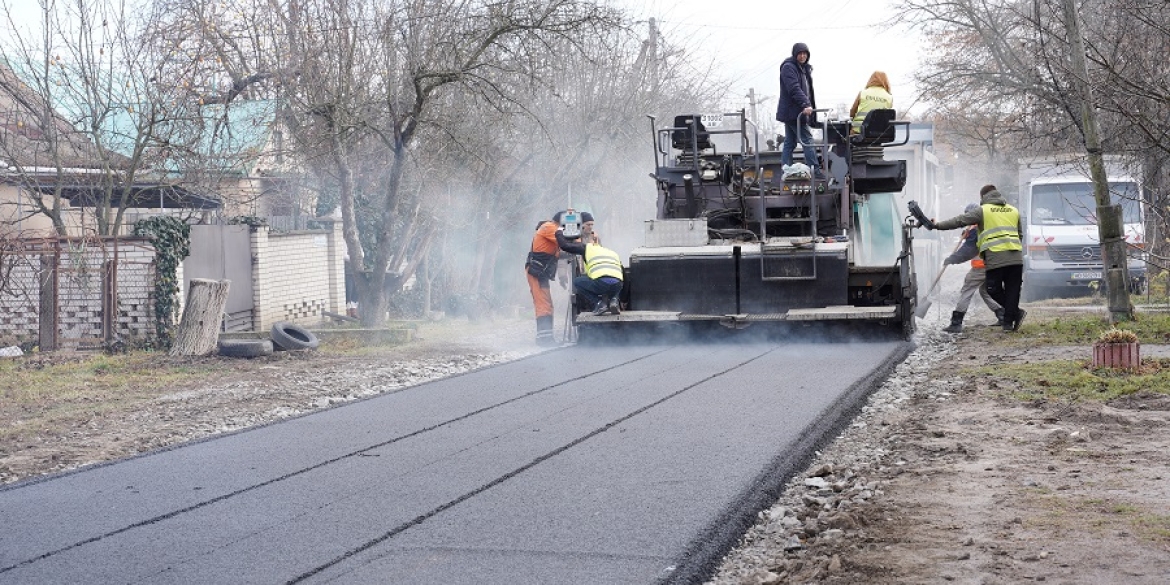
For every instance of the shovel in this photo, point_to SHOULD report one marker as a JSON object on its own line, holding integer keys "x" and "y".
{"x": 925, "y": 306}
{"x": 922, "y": 309}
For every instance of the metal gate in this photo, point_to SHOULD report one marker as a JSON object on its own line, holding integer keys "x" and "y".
{"x": 77, "y": 293}
{"x": 220, "y": 252}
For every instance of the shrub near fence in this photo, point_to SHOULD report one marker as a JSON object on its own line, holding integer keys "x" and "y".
{"x": 76, "y": 293}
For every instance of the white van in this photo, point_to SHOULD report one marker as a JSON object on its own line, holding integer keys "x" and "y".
{"x": 1062, "y": 242}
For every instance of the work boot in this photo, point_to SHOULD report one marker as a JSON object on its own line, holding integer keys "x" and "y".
{"x": 956, "y": 325}
{"x": 1020, "y": 314}
{"x": 600, "y": 308}
{"x": 544, "y": 331}
{"x": 998, "y": 317}
{"x": 614, "y": 308}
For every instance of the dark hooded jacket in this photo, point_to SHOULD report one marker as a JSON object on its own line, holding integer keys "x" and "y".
{"x": 991, "y": 259}
{"x": 796, "y": 87}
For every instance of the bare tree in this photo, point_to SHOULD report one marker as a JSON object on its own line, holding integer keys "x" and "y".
{"x": 364, "y": 87}
{"x": 1010, "y": 61}
{"x": 113, "y": 113}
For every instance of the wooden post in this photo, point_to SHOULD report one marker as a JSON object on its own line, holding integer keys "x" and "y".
{"x": 198, "y": 330}
{"x": 47, "y": 319}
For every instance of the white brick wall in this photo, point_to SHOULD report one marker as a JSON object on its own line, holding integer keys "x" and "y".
{"x": 296, "y": 276}
{"x": 80, "y": 279}
{"x": 20, "y": 302}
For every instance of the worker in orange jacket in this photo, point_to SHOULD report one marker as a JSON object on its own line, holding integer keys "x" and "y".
{"x": 541, "y": 268}
{"x": 975, "y": 280}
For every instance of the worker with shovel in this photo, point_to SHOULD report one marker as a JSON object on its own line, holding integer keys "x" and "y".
{"x": 1001, "y": 248}
{"x": 975, "y": 280}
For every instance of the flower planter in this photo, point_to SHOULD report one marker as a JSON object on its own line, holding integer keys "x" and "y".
{"x": 1117, "y": 355}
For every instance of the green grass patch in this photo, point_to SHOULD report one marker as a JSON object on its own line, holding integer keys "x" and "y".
{"x": 1075, "y": 380}
{"x": 1097, "y": 515}
{"x": 1145, "y": 524}
{"x": 1041, "y": 328}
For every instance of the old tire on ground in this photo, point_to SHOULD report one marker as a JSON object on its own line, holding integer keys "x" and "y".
{"x": 245, "y": 348}
{"x": 290, "y": 336}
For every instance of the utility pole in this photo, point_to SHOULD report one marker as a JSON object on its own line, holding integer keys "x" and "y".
{"x": 653, "y": 58}
{"x": 752, "y": 102}
{"x": 1109, "y": 219}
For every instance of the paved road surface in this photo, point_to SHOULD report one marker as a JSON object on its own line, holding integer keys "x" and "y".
{"x": 584, "y": 465}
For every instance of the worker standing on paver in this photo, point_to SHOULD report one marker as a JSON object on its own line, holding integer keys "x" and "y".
{"x": 541, "y": 266}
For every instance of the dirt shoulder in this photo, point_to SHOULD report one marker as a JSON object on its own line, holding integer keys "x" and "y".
{"x": 956, "y": 480}
{"x": 992, "y": 490}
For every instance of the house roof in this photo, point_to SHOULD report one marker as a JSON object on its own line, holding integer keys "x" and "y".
{"x": 24, "y": 131}
{"x": 213, "y": 137}
{"x": 221, "y": 137}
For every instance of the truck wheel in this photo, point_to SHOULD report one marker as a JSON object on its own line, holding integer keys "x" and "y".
{"x": 290, "y": 336}
{"x": 245, "y": 348}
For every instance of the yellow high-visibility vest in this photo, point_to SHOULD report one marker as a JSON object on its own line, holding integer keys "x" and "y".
{"x": 601, "y": 261}
{"x": 871, "y": 98}
{"x": 1000, "y": 231}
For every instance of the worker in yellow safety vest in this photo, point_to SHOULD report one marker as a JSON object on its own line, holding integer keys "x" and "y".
{"x": 974, "y": 281}
{"x": 875, "y": 96}
{"x": 1000, "y": 247}
{"x": 601, "y": 284}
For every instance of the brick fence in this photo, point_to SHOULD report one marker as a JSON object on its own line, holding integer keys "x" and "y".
{"x": 296, "y": 276}
{"x": 76, "y": 293}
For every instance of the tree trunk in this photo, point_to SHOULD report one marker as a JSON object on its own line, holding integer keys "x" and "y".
{"x": 198, "y": 330}
{"x": 1109, "y": 220}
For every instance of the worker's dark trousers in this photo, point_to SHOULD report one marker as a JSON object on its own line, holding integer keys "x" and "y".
{"x": 602, "y": 289}
{"x": 1004, "y": 284}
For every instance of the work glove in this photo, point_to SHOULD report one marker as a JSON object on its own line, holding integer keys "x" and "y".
{"x": 949, "y": 261}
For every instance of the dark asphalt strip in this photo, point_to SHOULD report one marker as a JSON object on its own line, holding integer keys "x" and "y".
{"x": 503, "y": 478}
{"x": 357, "y": 453}
{"x": 702, "y": 557}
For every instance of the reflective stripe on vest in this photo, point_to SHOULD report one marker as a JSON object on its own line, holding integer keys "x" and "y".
{"x": 872, "y": 98}
{"x": 601, "y": 261}
{"x": 1000, "y": 231}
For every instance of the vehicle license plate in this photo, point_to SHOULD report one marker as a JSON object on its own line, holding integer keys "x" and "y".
{"x": 1086, "y": 276}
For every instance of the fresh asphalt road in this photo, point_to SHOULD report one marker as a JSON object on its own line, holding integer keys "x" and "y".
{"x": 584, "y": 465}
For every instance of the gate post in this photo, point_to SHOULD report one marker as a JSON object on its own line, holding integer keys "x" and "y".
{"x": 109, "y": 300}
{"x": 47, "y": 320}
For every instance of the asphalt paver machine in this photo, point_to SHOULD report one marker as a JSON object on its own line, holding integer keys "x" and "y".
{"x": 739, "y": 240}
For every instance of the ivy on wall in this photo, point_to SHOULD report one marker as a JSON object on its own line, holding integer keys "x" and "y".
{"x": 172, "y": 243}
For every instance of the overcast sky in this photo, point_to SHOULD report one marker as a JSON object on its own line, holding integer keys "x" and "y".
{"x": 751, "y": 37}
{"x": 747, "y": 40}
